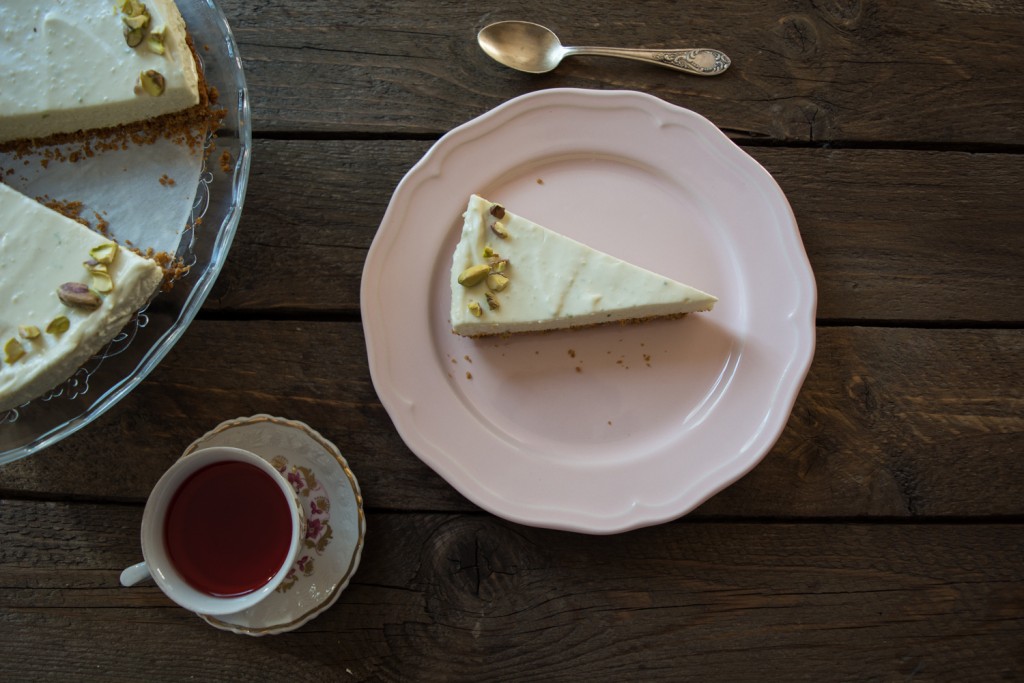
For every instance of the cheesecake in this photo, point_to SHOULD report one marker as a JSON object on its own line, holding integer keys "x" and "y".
{"x": 510, "y": 275}
{"x": 65, "y": 292}
{"x": 95, "y": 74}
{"x": 85, "y": 65}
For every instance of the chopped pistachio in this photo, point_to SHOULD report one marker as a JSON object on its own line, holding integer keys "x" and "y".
{"x": 101, "y": 282}
{"x": 475, "y": 309}
{"x": 136, "y": 22}
{"x": 95, "y": 266}
{"x": 498, "y": 228}
{"x": 498, "y": 265}
{"x": 134, "y": 36}
{"x": 104, "y": 253}
{"x": 133, "y": 8}
{"x": 474, "y": 275}
{"x": 496, "y": 282}
{"x": 58, "y": 325}
{"x": 13, "y": 350}
{"x": 153, "y": 82}
{"x": 155, "y": 41}
{"x": 498, "y": 211}
{"x": 28, "y": 331}
{"x": 492, "y": 301}
{"x": 488, "y": 252}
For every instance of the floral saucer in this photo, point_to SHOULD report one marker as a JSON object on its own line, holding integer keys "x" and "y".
{"x": 335, "y": 523}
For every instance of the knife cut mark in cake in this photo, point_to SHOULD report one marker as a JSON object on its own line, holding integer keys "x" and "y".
{"x": 510, "y": 275}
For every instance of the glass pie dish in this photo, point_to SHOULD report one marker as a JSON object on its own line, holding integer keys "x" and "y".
{"x": 212, "y": 211}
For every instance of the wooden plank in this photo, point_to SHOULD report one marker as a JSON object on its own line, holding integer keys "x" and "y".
{"x": 891, "y": 235}
{"x": 884, "y": 210}
{"x": 441, "y": 597}
{"x": 890, "y": 423}
{"x": 936, "y": 72}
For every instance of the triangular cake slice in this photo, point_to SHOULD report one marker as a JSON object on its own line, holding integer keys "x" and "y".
{"x": 65, "y": 291}
{"x": 511, "y": 275}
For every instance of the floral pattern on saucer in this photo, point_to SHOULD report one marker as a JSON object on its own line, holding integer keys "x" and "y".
{"x": 317, "y": 503}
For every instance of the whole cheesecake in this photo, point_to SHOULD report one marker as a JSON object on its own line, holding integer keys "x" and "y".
{"x": 510, "y": 275}
{"x": 83, "y": 65}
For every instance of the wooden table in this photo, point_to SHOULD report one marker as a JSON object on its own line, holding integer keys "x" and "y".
{"x": 882, "y": 538}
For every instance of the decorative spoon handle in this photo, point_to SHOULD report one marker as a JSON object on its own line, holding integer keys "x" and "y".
{"x": 699, "y": 61}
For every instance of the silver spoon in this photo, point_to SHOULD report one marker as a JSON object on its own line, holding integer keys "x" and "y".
{"x": 535, "y": 49}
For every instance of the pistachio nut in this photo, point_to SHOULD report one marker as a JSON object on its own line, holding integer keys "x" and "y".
{"x": 153, "y": 82}
{"x": 28, "y": 331}
{"x": 104, "y": 253}
{"x": 492, "y": 301}
{"x": 475, "y": 309}
{"x": 58, "y": 325}
{"x": 101, "y": 281}
{"x": 138, "y": 21}
{"x": 496, "y": 282}
{"x": 498, "y": 228}
{"x": 13, "y": 350}
{"x": 474, "y": 275}
{"x": 134, "y": 36}
{"x": 155, "y": 42}
{"x": 78, "y": 295}
{"x": 132, "y": 8}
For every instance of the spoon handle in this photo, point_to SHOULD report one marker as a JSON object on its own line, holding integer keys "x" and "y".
{"x": 698, "y": 61}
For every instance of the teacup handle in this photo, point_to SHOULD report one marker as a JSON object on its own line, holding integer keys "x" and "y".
{"x": 135, "y": 573}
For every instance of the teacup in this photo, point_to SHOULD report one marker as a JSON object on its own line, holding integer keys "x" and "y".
{"x": 221, "y": 530}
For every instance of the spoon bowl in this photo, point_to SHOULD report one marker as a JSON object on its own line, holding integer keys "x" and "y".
{"x": 535, "y": 49}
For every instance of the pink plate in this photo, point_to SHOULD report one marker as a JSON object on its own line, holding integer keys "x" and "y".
{"x": 611, "y": 428}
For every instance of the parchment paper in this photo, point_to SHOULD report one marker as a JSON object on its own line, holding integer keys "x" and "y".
{"x": 123, "y": 186}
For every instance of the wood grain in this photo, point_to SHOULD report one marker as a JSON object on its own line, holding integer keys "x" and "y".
{"x": 879, "y": 540}
{"x": 891, "y": 235}
{"x": 890, "y": 423}
{"x": 821, "y": 72}
{"x": 459, "y": 598}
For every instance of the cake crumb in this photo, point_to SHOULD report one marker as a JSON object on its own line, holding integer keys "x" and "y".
{"x": 468, "y": 359}
{"x": 469, "y": 375}
{"x": 572, "y": 353}
{"x": 540, "y": 181}
{"x": 167, "y": 181}
{"x": 102, "y": 224}
{"x": 225, "y": 161}
{"x": 579, "y": 369}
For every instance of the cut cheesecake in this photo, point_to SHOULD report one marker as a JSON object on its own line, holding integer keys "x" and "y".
{"x": 46, "y": 334}
{"x": 75, "y": 65}
{"x": 511, "y": 275}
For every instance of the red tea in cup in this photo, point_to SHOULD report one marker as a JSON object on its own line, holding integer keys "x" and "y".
{"x": 228, "y": 529}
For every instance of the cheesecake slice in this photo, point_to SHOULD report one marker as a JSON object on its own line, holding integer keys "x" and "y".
{"x": 80, "y": 65}
{"x": 65, "y": 291}
{"x": 511, "y": 275}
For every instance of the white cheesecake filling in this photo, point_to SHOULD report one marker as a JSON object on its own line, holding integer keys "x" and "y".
{"x": 554, "y": 282}
{"x": 66, "y": 67}
{"x": 39, "y": 251}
